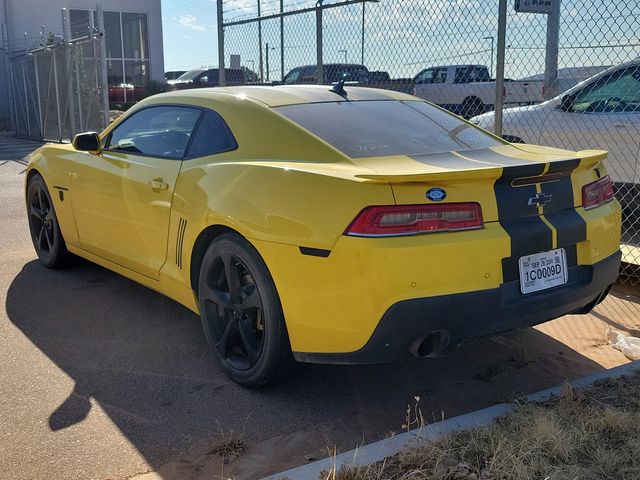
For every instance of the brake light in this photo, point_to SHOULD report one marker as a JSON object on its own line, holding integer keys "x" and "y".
{"x": 414, "y": 219}
{"x": 596, "y": 193}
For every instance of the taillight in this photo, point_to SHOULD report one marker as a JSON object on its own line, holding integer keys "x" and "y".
{"x": 596, "y": 193}
{"x": 415, "y": 219}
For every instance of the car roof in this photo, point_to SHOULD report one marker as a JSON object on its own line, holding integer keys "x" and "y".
{"x": 288, "y": 94}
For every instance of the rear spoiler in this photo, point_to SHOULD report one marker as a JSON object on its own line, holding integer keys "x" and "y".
{"x": 587, "y": 158}
{"x": 480, "y": 173}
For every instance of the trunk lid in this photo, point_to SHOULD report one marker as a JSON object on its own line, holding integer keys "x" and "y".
{"x": 509, "y": 182}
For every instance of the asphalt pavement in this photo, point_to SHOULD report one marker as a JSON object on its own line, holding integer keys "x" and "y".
{"x": 101, "y": 378}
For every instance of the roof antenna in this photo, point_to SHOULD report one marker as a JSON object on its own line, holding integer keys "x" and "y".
{"x": 339, "y": 89}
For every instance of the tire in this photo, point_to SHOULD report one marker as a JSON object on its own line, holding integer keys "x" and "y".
{"x": 471, "y": 107}
{"x": 241, "y": 314}
{"x": 43, "y": 225}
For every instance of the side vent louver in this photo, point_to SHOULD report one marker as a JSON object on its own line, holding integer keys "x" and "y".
{"x": 182, "y": 226}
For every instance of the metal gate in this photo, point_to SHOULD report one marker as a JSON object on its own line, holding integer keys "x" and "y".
{"x": 59, "y": 91}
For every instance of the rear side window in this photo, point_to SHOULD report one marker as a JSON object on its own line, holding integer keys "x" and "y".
{"x": 471, "y": 74}
{"x": 212, "y": 136}
{"x": 309, "y": 75}
{"x": 381, "y": 128}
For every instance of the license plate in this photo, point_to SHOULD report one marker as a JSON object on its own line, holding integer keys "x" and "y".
{"x": 543, "y": 270}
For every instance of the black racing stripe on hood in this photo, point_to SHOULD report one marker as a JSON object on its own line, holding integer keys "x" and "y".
{"x": 527, "y": 231}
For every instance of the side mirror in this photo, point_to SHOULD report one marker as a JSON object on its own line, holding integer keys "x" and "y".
{"x": 87, "y": 142}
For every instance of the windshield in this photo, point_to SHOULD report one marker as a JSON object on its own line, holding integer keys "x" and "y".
{"x": 190, "y": 75}
{"x": 381, "y": 128}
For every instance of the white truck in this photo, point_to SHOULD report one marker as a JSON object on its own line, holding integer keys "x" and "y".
{"x": 469, "y": 90}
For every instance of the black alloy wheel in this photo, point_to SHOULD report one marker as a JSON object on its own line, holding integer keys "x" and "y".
{"x": 234, "y": 312}
{"x": 241, "y": 313}
{"x": 43, "y": 224}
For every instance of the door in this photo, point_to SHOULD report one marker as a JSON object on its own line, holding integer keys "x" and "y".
{"x": 122, "y": 197}
{"x": 604, "y": 114}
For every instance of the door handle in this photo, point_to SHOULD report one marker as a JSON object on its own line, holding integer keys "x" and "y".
{"x": 158, "y": 184}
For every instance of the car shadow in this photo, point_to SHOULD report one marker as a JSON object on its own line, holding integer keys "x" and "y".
{"x": 143, "y": 359}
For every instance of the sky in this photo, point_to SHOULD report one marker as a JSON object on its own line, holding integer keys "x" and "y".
{"x": 403, "y": 36}
{"x": 189, "y": 30}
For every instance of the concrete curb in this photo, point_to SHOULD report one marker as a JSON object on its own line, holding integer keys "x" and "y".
{"x": 382, "y": 449}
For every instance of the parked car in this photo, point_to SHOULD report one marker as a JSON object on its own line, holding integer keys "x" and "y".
{"x": 336, "y": 225}
{"x": 469, "y": 90}
{"x": 603, "y": 110}
{"x": 125, "y": 93}
{"x": 352, "y": 74}
{"x": 569, "y": 77}
{"x": 173, "y": 75}
{"x": 202, "y": 78}
{"x": 332, "y": 73}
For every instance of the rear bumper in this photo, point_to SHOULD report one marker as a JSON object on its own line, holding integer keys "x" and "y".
{"x": 457, "y": 318}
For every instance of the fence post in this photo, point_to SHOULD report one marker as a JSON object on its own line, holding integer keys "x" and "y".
{"x": 551, "y": 56}
{"x": 364, "y": 4}
{"x": 502, "y": 33}
{"x": 26, "y": 97}
{"x": 261, "y": 66}
{"x": 68, "y": 65}
{"x": 4, "y": 37}
{"x": 76, "y": 62}
{"x": 319, "y": 63}
{"x": 281, "y": 41}
{"x": 13, "y": 95}
{"x": 266, "y": 53}
{"x": 103, "y": 65}
{"x": 55, "y": 87}
{"x": 222, "y": 77}
{"x": 38, "y": 97}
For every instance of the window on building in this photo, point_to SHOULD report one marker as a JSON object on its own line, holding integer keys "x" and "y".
{"x": 127, "y": 44}
{"x": 112, "y": 34}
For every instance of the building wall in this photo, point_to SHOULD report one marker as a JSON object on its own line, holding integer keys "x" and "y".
{"x": 29, "y": 16}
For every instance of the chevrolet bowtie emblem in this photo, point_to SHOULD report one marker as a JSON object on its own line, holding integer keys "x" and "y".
{"x": 539, "y": 200}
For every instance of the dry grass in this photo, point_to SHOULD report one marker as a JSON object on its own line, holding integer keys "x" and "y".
{"x": 590, "y": 434}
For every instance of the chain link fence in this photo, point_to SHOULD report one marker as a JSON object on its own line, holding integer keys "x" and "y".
{"x": 58, "y": 90}
{"x": 448, "y": 53}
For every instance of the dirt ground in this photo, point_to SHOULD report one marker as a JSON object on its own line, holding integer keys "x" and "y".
{"x": 520, "y": 362}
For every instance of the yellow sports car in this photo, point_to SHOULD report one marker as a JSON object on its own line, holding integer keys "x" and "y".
{"x": 329, "y": 224}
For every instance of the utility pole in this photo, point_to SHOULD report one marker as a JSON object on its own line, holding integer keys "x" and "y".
{"x": 222, "y": 78}
{"x": 345, "y": 54}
